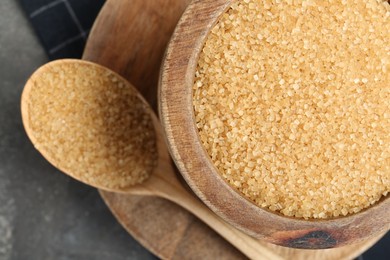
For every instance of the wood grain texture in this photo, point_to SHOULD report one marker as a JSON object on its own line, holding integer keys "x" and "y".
{"x": 161, "y": 226}
{"x": 195, "y": 165}
{"x": 132, "y": 46}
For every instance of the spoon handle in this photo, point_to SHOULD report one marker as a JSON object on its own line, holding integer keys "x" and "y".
{"x": 172, "y": 190}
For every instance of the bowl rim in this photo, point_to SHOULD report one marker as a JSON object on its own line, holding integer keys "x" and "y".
{"x": 193, "y": 162}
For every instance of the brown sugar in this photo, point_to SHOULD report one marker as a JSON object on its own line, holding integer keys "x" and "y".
{"x": 292, "y": 103}
{"x": 93, "y": 125}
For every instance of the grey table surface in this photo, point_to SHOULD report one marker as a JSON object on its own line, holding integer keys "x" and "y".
{"x": 43, "y": 213}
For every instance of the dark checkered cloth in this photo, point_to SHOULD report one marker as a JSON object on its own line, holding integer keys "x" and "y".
{"x": 62, "y": 25}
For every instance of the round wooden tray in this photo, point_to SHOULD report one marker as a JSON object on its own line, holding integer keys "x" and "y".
{"x": 130, "y": 38}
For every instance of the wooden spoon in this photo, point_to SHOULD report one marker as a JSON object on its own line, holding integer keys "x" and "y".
{"x": 162, "y": 180}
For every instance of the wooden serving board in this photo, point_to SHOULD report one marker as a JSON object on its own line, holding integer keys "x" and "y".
{"x": 130, "y": 38}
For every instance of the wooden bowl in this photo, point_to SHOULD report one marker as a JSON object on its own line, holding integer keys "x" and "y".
{"x": 177, "y": 115}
